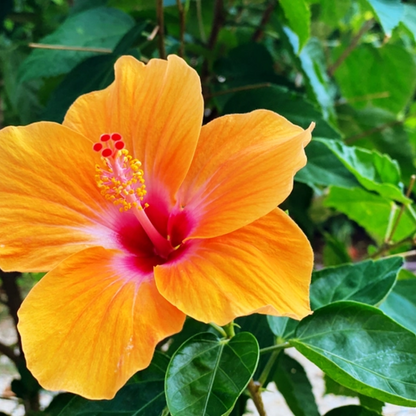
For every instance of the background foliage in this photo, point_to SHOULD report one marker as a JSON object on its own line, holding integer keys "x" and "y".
{"x": 348, "y": 65}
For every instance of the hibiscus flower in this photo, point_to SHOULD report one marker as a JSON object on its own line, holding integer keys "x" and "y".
{"x": 142, "y": 216}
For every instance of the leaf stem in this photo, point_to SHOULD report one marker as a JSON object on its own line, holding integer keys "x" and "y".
{"x": 219, "y": 329}
{"x": 277, "y": 347}
{"x": 161, "y": 34}
{"x": 200, "y": 21}
{"x": 254, "y": 389}
{"x": 237, "y": 89}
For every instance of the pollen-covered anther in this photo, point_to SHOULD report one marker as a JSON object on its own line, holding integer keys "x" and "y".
{"x": 121, "y": 178}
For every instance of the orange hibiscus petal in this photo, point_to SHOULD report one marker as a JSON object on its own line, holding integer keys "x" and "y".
{"x": 50, "y": 205}
{"x": 263, "y": 267}
{"x": 243, "y": 168}
{"x": 157, "y": 108}
{"x": 92, "y": 322}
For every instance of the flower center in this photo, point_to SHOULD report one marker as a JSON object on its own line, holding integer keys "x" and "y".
{"x": 121, "y": 182}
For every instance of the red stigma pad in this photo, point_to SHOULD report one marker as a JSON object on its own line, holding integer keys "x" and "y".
{"x": 106, "y": 152}
{"x": 105, "y": 137}
{"x": 116, "y": 137}
{"x": 119, "y": 145}
{"x": 97, "y": 146}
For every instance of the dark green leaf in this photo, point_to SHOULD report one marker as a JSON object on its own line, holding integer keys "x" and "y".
{"x": 288, "y": 104}
{"x": 298, "y": 16}
{"x": 324, "y": 168}
{"x": 363, "y": 349}
{"x": 351, "y": 411}
{"x": 93, "y": 74}
{"x": 401, "y": 304}
{"x": 368, "y": 77}
{"x": 292, "y": 381}
{"x": 388, "y": 12}
{"x": 367, "y": 282}
{"x": 374, "y": 171}
{"x": 371, "y": 404}
{"x": 98, "y": 28}
{"x": 129, "y": 38}
{"x": 282, "y": 326}
{"x": 335, "y": 252}
{"x": 207, "y": 375}
{"x": 143, "y": 395}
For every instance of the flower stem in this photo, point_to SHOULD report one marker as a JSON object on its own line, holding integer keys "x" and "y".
{"x": 254, "y": 389}
{"x": 219, "y": 329}
{"x": 229, "y": 329}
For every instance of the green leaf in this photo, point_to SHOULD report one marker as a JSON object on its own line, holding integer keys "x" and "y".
{"x": 401, "y": 304}
{"x": 312, "y": 63}
{"x": 335, "y": 252}
{"x": 101, "y": 27}
{"x": 374, "y": 171}
{"x": 362, "y": 349}
{"x": 368, "y": 77}
{"x": 324, "y": 168}
{"x": 388, "y": 12}
{"x": 257, "y": 325}
{"x": 143, "y": 395}
{"x": 288, "y": 104}
{"x": 367, "y": 282}
{"x": 371, "y": 404}
{"x": 206, "y": 375}
{"x": 409, "y": 18}
{"x": 127, "y": 41}
{"x": 298, "y": 15}
{"x": 282, "y": 326}
{"x": 378, "y": 129}
{"x": 351, "y": 411}
{"x": 93, "y": 74}
{"x": 369, "y": 210}
{"x": 292, "y": 381}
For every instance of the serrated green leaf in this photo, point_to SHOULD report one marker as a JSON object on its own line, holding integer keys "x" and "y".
{"x": 298, "y": 15}
{"x": 367, "y": 282}
{"x": 324, "y": 168}
{"x": 351, "y": 411}
{"x": 362, "y": 349}
{"x": 374, "y": 171}
{"x": 368, "y": 77}
{"x": 292, "y": 381}
{"x": 143, "y": 395}
{"x": 206, "y": 375}
{"x": 101, "y": 27}
{"x": 401, "y": 304}
{"x": 388, "y": 12}
{"x": 381, "y": 130}
{"x": 288, "y": 104}
{"x": 369, "y": 210}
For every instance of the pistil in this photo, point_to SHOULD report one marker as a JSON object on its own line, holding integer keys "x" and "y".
{"x": 121, "y": 182}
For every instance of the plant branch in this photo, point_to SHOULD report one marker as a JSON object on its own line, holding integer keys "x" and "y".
{"x": 386, "y": 247}
{"x": 217, "y": 23}
{"x": 354, "y": 43}
{"x": 402, "y": 208}
{"x": 268, "y": 367}
{"x": 352, "y": 139}
{"x": 258, "y": 34}
{"x": 237, "y": 89}
{"x": 161, "y": 34}
{"x": 182, "y": 28}
{"x": 254, "y": 389}
{"x": 9, "y": 353}
{"x": 69, "y": 48}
